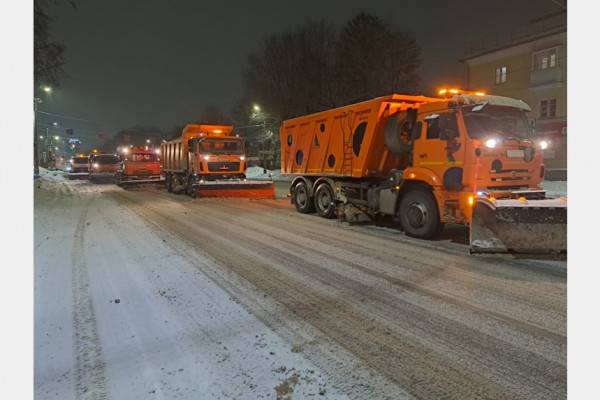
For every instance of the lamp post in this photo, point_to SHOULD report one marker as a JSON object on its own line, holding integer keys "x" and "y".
{"x": 36, "y": 156}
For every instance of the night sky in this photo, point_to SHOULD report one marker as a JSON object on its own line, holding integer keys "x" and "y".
{"x": 159, "y": 62}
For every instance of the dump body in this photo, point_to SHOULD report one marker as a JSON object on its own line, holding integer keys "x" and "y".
{"x": 426, "y": 161}
{"x": 139, "y": 164}
{"x": 344, "y": 142}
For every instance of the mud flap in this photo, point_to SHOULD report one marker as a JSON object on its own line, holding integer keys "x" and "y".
{"x": 248, "y": 189}
{"x": 514, "y": 226}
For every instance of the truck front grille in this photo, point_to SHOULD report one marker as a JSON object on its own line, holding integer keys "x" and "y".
{"x": 223, "y": 166}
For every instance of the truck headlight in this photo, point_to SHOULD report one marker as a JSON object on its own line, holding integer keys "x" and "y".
{"x": 491, "y": 143}
{"x": 544, "y": 145}
{"x": 95, "y": 165}
{"x": 205, "y": 157}
{"x": 242, "y": 158}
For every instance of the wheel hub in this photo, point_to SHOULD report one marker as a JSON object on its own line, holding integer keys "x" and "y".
{"x": 324, "y": 201}
{"x": 417, "y": 215}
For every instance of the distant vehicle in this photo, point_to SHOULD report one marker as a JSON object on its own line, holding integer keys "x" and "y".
{"x": 139, "y": 165}
{"x": 78, "y": 167}
{"x": 210, "y": 161}
{"x": 103, "y": 166}
{"x": 464, "y": 158}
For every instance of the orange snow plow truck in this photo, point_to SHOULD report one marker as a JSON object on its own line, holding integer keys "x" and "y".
{"x": 464, "y": 157}
{"x": 209, "y": 161}
{"x": 138, "y": 165}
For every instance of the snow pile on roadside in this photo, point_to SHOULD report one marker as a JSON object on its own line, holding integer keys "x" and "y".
{"x": 555, "y": 188}
{"x": 263, "y": 174}
{"x": 51, "y": 175}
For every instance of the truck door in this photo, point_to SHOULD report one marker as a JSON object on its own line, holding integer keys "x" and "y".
{"x": 440, "y": 146}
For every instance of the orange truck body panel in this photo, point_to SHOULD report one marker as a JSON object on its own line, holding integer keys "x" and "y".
{"x": 348, "y": 144}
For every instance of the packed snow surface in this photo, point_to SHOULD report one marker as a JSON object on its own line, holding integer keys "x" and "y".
{"x": 144, "y": 294}
{"x": 260, "y": 173}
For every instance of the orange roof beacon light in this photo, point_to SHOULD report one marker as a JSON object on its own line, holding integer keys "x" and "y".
{"x": 450, "y": 92}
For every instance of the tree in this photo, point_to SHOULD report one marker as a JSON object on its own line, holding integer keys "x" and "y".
{"x": 373, "y": 60}
{"x": 48, "y": 55}
{"x": 312, "y": 68}
{"x": 291, "y": 72}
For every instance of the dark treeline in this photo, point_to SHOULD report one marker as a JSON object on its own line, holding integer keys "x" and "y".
{"x": 314, "y": 67}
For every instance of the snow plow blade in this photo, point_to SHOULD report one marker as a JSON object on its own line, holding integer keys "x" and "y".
{"x": 247, "y": 189}
{"x": 519, "y": 226}
{"x": 134, "y": 182}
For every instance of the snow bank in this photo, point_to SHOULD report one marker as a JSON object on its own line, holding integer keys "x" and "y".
{"x": 263, "y": 174}
{"x": 555, "y": 188}
{"x": 48, "y": 175}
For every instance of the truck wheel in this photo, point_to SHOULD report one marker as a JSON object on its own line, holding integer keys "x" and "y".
{"x": 419, "y": 214}
{"x": 325, "y": 201}
{"x": 169, "y": 183}
{"x": 302, "y": 199}
{"x": 189, "y": 189}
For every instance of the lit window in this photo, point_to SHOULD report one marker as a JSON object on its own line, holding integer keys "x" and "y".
{"x": 500, "y": 75}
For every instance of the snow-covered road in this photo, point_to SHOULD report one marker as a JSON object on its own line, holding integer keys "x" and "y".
{"x": 141, "y": 294}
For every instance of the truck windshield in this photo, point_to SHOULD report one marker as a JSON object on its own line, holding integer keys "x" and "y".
{"x": 106, "y": 159}
{"x": 221, "y": 146}
{"x": 496, "y": 121}
{"x": 80, "y": 160}
{"x": 141, "y": 157}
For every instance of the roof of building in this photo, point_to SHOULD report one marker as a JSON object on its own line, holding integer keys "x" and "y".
{"x": 516, "y": 42}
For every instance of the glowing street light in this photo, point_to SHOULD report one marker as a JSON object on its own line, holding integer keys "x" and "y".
{"x": 47, "y": 89}
{"x": 147, "y": 140}
{"x": 55, "y": 124}
{"x": 256, "y": 107}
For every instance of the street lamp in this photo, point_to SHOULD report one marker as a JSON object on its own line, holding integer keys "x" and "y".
{"x": 47, "y": 89}
{"x": 56, "y": 137}
{"x": 147, "y": 140}
{"x": 256, "y": 107}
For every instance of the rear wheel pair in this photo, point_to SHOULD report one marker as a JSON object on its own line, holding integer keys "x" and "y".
{"x": 323, "y": 201}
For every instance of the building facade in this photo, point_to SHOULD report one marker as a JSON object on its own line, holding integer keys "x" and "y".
{"x": 532, "y": 68}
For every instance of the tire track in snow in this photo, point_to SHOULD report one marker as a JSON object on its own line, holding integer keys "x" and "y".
{"x": 89, "y": 374}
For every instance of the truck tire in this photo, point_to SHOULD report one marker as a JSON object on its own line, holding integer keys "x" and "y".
{"x": 419, "y": 215}
{"x": 324, "y": 201}
{"x": 189, "y": 190}
{"x": 169, "y": 183}
{"x": 302, "y": 200}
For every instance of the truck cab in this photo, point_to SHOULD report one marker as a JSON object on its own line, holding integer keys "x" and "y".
{"x": 78, "y": 167}
{"x": 475, "y": 143}
{"x": 139, "y": 164}
{"x": 215, "y": 158}
{"x": 103, "y": 166}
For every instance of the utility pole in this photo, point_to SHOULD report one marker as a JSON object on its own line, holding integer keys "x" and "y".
{"x": 36, "y": 156}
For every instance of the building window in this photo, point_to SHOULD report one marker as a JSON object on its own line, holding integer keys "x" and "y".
{"x": 548, "y": 108}
{"x": 500, "y": 75}
{"x": 545, "y": 59}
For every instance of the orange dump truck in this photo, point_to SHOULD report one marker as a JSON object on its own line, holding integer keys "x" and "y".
{"x": 464, "y": 157}
{"x": 139, "y": 165}
{"x": 210, "y": 161}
